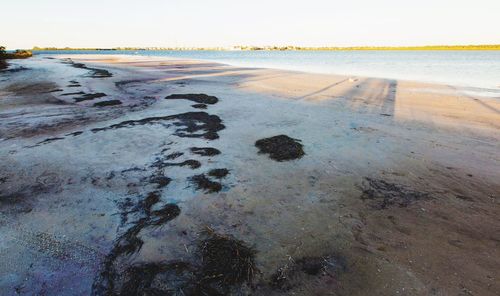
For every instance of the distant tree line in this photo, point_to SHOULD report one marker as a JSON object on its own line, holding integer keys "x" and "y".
{"x": 291, "y": 47}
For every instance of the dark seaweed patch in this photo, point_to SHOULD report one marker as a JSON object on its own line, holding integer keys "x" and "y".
{"x": 198, "y": 98}
{"x": 161, "y": 181}
{"x": 46, "y": 141}
{"x": 281, "y": 148}
{"x": 223, "y": 263}
{"x": 218, "y": 173}
{"x": 384, "y": 194}
{"x": 226, "y": 261}
{"x": 93, "y": 72}
{"x": 54, "y": 90}
{"x": 74, "y": 134}
{"x": 199, "y": 106}
{"x": 160, "y": 164}
{"x": 205, "y": 184}
{"x": 49, "y": 140}
{"x": 88, "y": 97}
{"x": 190, "y": 124}
{"x": 108, "y": 103}
{"x": 174, "y": 155}
{"x": 130, "y": 242}
{"x": 74, "y": 83}
{"x": 173, "y": 278}
{"x": 205, "y": 151}
{"x": 73, "y": 93}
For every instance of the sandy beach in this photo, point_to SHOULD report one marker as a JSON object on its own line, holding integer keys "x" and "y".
{"x": 130, "y": 175}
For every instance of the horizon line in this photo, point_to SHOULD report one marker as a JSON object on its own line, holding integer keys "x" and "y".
{"x": 277, "y": 47}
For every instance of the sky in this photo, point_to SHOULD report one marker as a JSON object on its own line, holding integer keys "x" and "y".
{"x": 210, "y": 23}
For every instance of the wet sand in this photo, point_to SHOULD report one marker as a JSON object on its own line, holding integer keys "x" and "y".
{"x": 142, "y": 176}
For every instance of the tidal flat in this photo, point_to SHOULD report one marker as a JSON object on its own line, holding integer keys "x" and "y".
{"x": 130, "y": 175}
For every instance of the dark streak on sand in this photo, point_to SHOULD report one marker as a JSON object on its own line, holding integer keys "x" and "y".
{"x": 198, "y": 98}
{"x": 52, "y": 91}
{"x": 108, "y": 103}
{"x": 88, "y": 97}
{"x": 281, "y": 148}
{"x": 188, "y": 124}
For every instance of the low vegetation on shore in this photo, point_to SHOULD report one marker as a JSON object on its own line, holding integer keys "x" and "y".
{"x": 18, "y": 54}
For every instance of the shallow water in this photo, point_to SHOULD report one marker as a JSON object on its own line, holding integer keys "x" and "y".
{"x": 460, "y": 68}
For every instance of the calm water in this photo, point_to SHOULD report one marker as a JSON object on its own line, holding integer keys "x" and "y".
{"x": 460, "y": 68}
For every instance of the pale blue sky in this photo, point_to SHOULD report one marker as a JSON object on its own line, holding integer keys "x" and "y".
{"x": 113, "y": 23}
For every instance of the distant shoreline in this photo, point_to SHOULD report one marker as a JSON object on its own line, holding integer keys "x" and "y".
{"x": 285, "y": 48}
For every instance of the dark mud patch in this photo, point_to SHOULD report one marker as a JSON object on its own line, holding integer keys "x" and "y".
{"x": 290, "y": 275}
{"x": 383, "y": 195}
{"x": 18, "y": 196}
{"x": 198, "y": 98}
{"x": 32, "y": 91}
{"x": 89, "y": 97}
{"x": 199, "y": 106}
{"x": 281, "y": 148}
{"x": 15, "y": 203}
{"x": 218, "y": 173}
{"x": 108, "y": 103}
{"x": 203, "y": 183}
{"x": 205, "y": 151}
{"x": 188, "y": 125}
{"x": 464, "y": 197}
{"x": 92, "y": 72}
